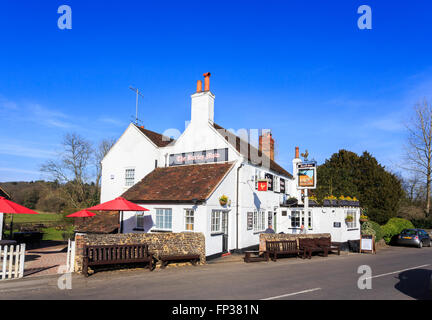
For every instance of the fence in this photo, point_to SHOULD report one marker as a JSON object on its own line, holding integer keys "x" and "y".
{"x": 12, "y": 261}
{"x": 70, "y": 260}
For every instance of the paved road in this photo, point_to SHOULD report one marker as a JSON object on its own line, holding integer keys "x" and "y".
{"x": 397, "y": 273}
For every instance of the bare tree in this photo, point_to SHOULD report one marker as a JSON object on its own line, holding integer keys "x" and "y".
{"x": 102, "y": 150}
{"x": 419, "y": 146}
{"x": 71, "y": 168}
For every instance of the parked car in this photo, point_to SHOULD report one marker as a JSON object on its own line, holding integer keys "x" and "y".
{"x": 414, "y": 237}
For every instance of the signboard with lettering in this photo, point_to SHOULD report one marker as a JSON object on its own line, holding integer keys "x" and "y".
{"x": 282, "y": 185}
{"x": 336, "y": 224}
{"x": 306, "y": 175}
{"x": 250, "y": 220}
{"x": 198, "y": 157}
{"x": 269, "y": 178}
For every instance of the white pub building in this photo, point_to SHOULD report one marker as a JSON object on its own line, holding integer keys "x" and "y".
{"x": 206, "y": 181}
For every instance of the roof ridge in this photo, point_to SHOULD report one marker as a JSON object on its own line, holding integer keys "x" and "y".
{"x": 273, "y": 164}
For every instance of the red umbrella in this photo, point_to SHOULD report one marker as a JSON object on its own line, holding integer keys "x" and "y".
{"x": 7, "y": 206}
{"x": 81, "y": 214}
{"x": 118, "y": 204}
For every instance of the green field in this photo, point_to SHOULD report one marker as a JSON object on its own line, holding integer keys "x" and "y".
{"x": 48, "y": 218}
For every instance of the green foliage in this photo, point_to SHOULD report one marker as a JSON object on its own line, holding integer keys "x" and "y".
{"x": 378, "y": 190}
{"x": 378, "y": 230}
{"x": 422, "y": 223}
{"x": 367, "y": 229}
{"x": 394, "y": 226}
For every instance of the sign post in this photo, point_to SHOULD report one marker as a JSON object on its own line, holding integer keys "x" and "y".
{"x": 306, "y": 179}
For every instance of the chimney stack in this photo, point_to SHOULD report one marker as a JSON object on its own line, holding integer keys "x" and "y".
{"x": 297, "y": 153}
{"x": 266, "y": 145}
{"x": 202, "y": 108}
{"x": 207, "y": 81}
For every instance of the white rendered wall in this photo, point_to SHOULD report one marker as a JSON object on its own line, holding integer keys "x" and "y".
{"x": 132, "y": 150}
{"x": 323, "y": 219}
{"x": 1, "y": 225}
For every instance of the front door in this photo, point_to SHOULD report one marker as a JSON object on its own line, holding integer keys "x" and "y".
{"x": 225, "y": 231}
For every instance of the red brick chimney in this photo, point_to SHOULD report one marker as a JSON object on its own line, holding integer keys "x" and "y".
{"x": 266, "y": 144}
{"x": 297, "y": 153}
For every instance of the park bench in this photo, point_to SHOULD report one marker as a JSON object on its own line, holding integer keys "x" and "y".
{"x": 309, "y": 246}
{"x": 116, "y": 254}
{"x": 165, "y": 259}
{"x": 326, "y": 243}
{"x": 279, "y": 247}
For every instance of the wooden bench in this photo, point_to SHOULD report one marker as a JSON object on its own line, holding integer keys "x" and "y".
{"x": 116, "y": 254}
{"x": 165, "y": 259}
{"x": 279, "y": 247}
{"x": 308, "y": 246}
{"x": 254, "y": 256}
{"x": 331, "y": 246}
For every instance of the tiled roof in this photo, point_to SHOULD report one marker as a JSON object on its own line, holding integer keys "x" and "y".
{"x": 179, "y": 184}
{"x": 157, "y": 138}
{"x": 102, "y": 222}
{"x": 273, "y": 165}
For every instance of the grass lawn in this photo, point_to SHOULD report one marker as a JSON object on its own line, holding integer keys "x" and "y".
{"x": 35, "y": 218}
{"x": 50, "y": 233}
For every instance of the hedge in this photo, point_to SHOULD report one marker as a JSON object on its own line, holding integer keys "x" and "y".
{"x": 372, "y": 228}
{"x": 393, "y": 227}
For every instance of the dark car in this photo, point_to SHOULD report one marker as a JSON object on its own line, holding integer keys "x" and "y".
{"x": 414, "y": 237}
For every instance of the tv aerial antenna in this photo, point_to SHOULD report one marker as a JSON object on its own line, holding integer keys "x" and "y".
{"x": 138, "y": 93}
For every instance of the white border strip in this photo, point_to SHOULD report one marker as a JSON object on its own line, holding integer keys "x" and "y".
{"x": 292, "y": 294}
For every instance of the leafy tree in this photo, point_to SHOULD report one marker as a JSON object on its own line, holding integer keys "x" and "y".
{"x": 345, "y": 173}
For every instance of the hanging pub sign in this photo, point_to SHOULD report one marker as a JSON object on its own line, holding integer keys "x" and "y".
{"x": 262, "y": 185}
{"x": 269, "y": 178}
{"x": 282, "y": 185}
{"x": 198, "y": 157}
{"x": 306, "y": 175}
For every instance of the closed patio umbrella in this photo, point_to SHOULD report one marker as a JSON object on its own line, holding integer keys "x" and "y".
{"x": 118, "y": 204}
{"x": 7, "y": 206}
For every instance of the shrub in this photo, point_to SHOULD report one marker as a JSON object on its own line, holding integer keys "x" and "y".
{"x": 393, "y": 227}
{"x": 367, "y": 229}
{"x": 378, "y": 230}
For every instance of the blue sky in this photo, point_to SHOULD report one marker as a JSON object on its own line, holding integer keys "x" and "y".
{"x": 300, "y": 68}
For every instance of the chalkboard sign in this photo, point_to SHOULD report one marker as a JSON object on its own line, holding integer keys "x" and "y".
{"x": 250, "y": 220}
{"x": 367, "y": 244}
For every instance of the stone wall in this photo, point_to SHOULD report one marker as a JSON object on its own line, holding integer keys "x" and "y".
{"x": 159, "y": 243}
{"x": 282, "y": 236}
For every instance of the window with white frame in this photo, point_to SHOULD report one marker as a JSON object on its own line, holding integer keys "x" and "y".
{"x": 295, "y": 219}
{"x": 129, "y": 177}
{"x": 351, "y": 224}
{"x": 216, "y": 221}
{"x": 139, "y": 219}
{"x": 164, "y": 219}
{"x": 309, "y": 219}
{"x": 189, "y": 219}
{"x": 259, "y": 221}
